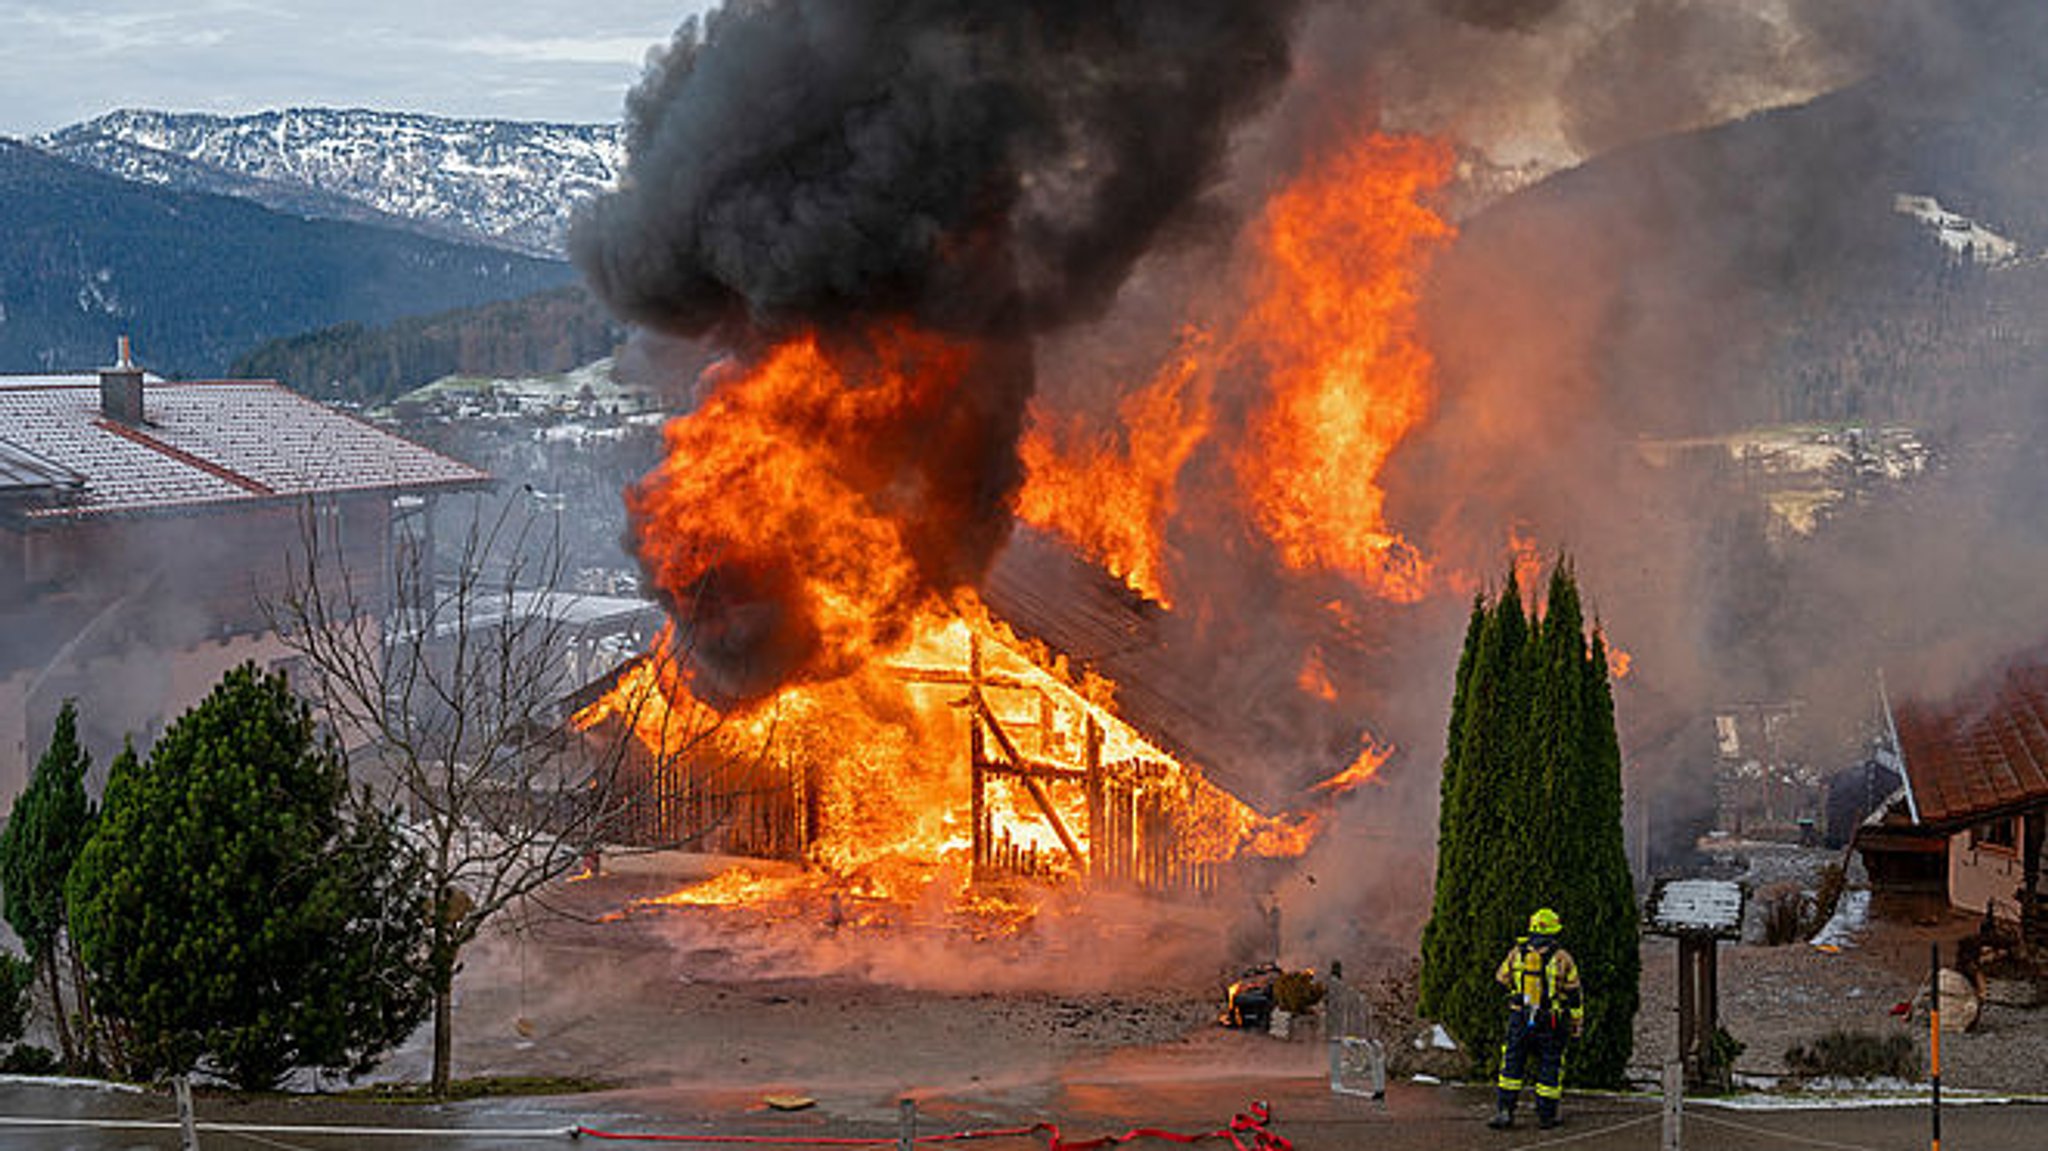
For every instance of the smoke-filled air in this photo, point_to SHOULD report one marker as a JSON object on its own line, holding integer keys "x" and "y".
{"x": 1296, "y": 326}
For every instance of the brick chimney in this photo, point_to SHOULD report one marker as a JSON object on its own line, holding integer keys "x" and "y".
{"x": 121, "y": 389}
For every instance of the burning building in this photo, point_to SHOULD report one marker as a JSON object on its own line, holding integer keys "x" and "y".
{"x": 890, "y": 249}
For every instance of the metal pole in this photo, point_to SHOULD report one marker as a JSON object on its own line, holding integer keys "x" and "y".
{"x": 1934, "y": 1036}
{"x": 906, "y": 1132}
{"x": 1674, "y": 1107}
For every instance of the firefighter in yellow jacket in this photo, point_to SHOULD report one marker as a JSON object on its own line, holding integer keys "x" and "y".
{"x": 1545, "y": 1009}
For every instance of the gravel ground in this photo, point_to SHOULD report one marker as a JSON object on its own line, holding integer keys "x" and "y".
{"x": 635, "y": 1003}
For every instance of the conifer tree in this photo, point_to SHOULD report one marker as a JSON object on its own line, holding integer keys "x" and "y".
{"x": 234, "y": 915}
{"x": 1531, "y": 818}
{"x": 46, "y": 830}
{"x": 1477, "y": 894}
{"x": 1606, "y": 942}
{"x": 1445, "y": 937}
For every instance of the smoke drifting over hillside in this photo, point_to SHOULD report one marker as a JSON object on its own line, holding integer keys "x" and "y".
{"x": 1072, "y": 181}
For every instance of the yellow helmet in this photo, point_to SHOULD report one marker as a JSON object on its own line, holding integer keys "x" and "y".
{"x": 1545, "y": 922}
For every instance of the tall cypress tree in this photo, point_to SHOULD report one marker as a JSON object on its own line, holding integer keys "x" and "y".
{"x": 1476, "y": 893}
{"x": 1531, "y": 817}
{"x": 1606, "y": 942}
{"x": 1445, "y": 937}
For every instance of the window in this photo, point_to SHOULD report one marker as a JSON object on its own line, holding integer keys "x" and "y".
{"x": 2002, "y": 834}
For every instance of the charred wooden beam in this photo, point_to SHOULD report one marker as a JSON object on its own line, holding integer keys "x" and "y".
{"x": 1031, "y": 783}
{"x": 1037, "y": 769}
{"x": 948, "y": 677}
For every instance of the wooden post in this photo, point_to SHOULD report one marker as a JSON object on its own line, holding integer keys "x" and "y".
{"x": 188, "y": 1126}
{"x": 1709, "y": 996}
{"x": 906, "y": 1124}
{"x": 1688, "y": 1007}
{"x": 977, "y": 753}
{"x": 1098, "y": 847}
{"x": 1674, "y": 1107}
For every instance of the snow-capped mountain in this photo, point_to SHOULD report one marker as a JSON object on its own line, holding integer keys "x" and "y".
{"x": 509, "y": 183}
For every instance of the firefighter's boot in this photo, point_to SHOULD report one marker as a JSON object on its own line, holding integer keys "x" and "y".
{"x": 1503, "y": 1112}
{"x": 1546, "y": 1113}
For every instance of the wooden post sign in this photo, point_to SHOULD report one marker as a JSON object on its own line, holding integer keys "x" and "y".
{"x": 1699, "y": 913}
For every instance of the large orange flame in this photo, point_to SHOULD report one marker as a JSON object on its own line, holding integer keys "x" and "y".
{"x": 780, "y": 527}
{"x": 1335, "y": 324}
{"x": 1113, "y": 494}
{"x": 1329, "y": 337}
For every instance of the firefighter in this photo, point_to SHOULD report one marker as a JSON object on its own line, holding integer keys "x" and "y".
{"x": 1545, "y": 1010}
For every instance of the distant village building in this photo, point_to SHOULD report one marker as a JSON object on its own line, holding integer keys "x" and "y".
{"x": 1762, "y": 788}
{"x": 142, "y": 521}
{"x": 1965, "y": 829}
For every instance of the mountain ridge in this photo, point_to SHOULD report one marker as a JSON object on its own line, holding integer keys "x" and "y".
{"x": 509, "y": 183}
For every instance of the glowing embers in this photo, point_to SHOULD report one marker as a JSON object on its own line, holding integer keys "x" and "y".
{"x": 960, "y": 773}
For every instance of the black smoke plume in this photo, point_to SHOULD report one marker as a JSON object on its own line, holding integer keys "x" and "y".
{"x": 985, "y": 171}
{"x": 984, "y": 168}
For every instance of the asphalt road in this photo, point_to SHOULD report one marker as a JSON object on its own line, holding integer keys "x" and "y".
{"x": 1413, "y": 1117}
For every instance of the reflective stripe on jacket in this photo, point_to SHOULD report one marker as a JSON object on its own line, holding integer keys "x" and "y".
{"x": 1545, "y": 978}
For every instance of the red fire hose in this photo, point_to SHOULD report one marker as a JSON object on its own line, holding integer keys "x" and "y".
{"x": 1247, "y": 1132}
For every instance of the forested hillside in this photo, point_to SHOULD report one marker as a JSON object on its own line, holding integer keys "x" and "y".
{"x": 549, "y": 332}
{"x": 198, "y": 280}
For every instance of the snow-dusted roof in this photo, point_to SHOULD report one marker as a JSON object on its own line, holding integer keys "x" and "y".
{"x": 205, "y": 443}
{"x": 1696, "y": 907}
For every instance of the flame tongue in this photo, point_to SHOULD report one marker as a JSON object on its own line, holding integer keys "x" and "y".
{"x": 1330, "y": 352}
{"x": 814, "y": 505}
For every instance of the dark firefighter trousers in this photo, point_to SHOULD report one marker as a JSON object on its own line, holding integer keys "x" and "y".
{"x": 1534, "y": 1037}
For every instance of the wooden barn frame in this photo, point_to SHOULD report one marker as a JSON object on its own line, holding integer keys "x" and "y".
{"x": 1138, "y": 810}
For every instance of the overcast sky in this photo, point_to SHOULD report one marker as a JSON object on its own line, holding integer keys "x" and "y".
{"x": 62, "y": 61}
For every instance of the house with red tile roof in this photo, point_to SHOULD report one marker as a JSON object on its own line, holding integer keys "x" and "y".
{"x": 1969, "y": 817}
{"x": 143, "y": 522}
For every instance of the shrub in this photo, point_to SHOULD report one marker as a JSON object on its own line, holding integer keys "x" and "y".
{"x": 1722, "y": 1051}
{"x": 1786, "y": 911}
{"x": 1856, "y": 1055}
{"x": 28, "y": 1059}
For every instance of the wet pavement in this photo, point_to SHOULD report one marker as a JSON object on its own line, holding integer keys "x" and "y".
{"x": 40, "y": 1116}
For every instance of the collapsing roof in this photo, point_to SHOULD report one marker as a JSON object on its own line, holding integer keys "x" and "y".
{"x": 1255, "y": 740}
{"x": 1980, "y": 755}
{"x": 199, "y": 443}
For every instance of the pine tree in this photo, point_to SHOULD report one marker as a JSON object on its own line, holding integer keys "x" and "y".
{"x": 46, "y": 830}
{"x": 233, "y": 914}
{"x": 1531, "y": 817}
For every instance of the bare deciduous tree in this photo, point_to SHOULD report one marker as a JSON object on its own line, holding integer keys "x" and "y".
{"x": 454, "y": 694}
